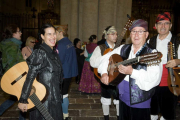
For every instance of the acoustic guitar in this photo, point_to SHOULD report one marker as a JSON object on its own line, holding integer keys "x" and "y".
{"x": 115, "y": 77}
{"x": 173, "y": 73}
{"x": 126, "y": 27}
{"x": 13, "y": 81}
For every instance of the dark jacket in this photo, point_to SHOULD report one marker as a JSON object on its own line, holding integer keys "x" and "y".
{"x": 11, "y": 53}
{"x": 45, "y": 62}
{"x": 67, "y": 55}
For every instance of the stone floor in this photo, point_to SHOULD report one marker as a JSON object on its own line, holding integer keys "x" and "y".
{"x": 82, "y": 106}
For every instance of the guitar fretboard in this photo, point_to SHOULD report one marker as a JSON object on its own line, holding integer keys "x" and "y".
{"x": 170, "y": 70}
{"x": 128, "y": 62}
{"x": 40, "y": 107}
{"x": 121, "y": 37}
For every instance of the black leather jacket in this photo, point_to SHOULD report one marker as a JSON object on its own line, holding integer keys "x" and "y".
{"x": 45, "y": 62}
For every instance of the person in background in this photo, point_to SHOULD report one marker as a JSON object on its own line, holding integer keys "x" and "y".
{"x": 138, "y": 86}
{"x": 102, "y": 41}
{"x": 67, "y": 55}
{"x": 45, "y": 62}
{"x": 28, "y": 49}
{"x": 107, "y": 91}
{"x": 1, "y": 67}
{"x": 11, "y": 55}
{"x": 164, "y": 101}
{"x": 80, "y": 58}
{"x": 88, "y": 83}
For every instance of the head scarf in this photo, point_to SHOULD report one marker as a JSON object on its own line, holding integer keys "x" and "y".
{"x": 163, "y": 16}
{"x": 139, "y": 23}
{"x": 109, "y": 30}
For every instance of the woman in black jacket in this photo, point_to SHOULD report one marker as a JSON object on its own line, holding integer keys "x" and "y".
{"x": 45, "y": 62}
{"x": 80, "y": 58}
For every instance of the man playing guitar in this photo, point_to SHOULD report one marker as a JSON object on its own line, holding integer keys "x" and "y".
{"x": 106, "y": 91}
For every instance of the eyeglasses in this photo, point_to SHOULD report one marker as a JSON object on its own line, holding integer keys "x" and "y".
{"x": 19, "y": 31}
{"x": 33, "y": 42}
{"x": 139, "y": 32}
{"x": 166, "y": 23}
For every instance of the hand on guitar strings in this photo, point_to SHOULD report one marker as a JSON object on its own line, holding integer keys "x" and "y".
{"x": 127, "y": 70}
{"x": 22, "y": 107}
{"x": 105, "y": 78}
{"x": 172, "y": 63}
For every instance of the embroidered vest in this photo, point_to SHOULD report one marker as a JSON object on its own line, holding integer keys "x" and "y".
{"x": 136, "y": 94}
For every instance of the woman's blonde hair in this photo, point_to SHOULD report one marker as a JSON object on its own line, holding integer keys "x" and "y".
{"x": 29, "y": 39}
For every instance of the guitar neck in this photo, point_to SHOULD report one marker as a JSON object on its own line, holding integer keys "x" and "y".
{"x": 40, "y": 107}
{"x": 121, "y": 37}
{"x": 129, "y": 62}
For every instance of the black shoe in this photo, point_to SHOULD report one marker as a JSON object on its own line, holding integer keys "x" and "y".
{"x": 106, "y": 117}
{"x": 67, "y": 118}
{"x": 77, "y": 82}
{"x": 117, "y": 117}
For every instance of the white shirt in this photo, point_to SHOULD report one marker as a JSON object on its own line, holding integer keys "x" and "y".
{"x": 85, "y": 52}
{"x": 96, "y": 57}
{"x": 144, "y": 79}
{"x": 162, "y": 46}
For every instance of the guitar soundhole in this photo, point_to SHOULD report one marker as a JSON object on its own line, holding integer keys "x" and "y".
{"x": 18, "y": 78}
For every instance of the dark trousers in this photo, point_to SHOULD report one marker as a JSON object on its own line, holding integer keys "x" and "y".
{"x": 108, "y": 91}
{"x": 65, "y": 85}
{"x": 8, "y": 103}
{"x": 164, "y": 102}
{"x": 129, "y": 113}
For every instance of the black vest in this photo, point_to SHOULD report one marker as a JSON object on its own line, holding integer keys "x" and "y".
{"x": 137, "y": 95}
{"x": 174, "y": 40}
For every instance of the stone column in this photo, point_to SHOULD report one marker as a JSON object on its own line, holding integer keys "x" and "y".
{"x": 89, "y": 18}
{"x": 65, "y": 13}
{"x": 123, "y": 8}
{"x": 73, "y": 20}
{"x": 107, "y": 16}
{"x": 69, "y": 15}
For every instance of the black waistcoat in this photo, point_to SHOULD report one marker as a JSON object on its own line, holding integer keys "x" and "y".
{"x": 174, "y": 40}
{"x": 136, "y": 94}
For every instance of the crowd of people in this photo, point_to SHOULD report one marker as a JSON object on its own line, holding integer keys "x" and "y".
{"x": 143, "y": 94}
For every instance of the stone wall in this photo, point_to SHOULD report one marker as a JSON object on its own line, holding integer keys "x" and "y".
{"x": 87, "y": 17}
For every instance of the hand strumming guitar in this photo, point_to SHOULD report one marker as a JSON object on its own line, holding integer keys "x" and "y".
{"x": 127, "y": 70}
{"x": 122, "y": 69}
